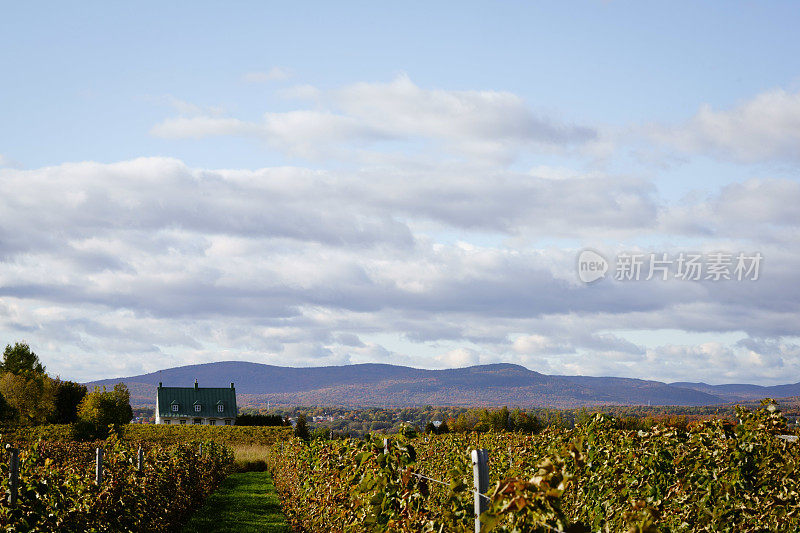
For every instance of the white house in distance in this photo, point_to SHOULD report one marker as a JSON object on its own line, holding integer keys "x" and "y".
{"x": 210, "y": 406}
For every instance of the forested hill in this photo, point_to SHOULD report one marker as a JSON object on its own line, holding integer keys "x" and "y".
{"x": 379, "y": 384}
{"x": 743, "y": 392}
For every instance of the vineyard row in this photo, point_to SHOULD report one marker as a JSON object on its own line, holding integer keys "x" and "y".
{"x": 132, "y": 488}
{"x": 717, "y": 476}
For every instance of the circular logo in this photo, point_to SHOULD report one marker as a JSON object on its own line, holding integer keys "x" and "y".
{"x": 591, "y": 266}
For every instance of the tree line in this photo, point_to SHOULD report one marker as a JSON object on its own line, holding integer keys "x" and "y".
{"x": 332, "y": 421}
{"x": 29, "y": 396}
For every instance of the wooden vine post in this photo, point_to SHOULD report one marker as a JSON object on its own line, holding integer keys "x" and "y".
{"x": 480, "y": 474}
{"x": 13, "y": 475}
{"x": 98, "y": 466}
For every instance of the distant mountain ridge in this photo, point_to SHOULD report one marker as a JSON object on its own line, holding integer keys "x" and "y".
{"x": 740, "y": 392}
{"x": 372, "y": 384}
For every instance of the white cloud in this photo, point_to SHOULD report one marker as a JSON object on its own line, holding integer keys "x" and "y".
{"x": 485, "y": 125}
{"x": 539, "y": 344}
{"x": 153, "y": 261}
{"x": 716, "y": 362}
{"x": 765, "y": 128}
{"x": 479, "y": 120}
{"x": 460, "y": 357}
{"x": 759, "y": 209}
{"x": 306, "y": 133}
{"x": 6, "y": 161}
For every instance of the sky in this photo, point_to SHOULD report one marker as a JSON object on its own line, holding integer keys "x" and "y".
{"x": 329, "y": 183}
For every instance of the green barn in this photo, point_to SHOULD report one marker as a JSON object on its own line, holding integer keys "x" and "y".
{"x": 212, "y": 406}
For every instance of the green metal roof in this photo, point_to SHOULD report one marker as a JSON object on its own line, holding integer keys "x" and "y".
{"x": 207, "y": 397}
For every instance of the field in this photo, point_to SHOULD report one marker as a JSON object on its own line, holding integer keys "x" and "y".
{"x": 226, "y": 435}
{"x": 599, "y": 476}
{"x": 715, "y": 476}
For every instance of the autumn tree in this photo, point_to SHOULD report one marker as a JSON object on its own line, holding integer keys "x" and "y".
{"x": 32, "y": 397}
{"x": 102, "y": 408}
{"x": 25, "y": 387}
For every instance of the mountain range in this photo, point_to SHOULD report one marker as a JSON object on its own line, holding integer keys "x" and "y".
{"x": 371, "y": 385}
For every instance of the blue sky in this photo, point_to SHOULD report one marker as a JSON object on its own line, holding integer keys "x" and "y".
{"x": 86, "y": 82}
{"x": 386, "y": 181}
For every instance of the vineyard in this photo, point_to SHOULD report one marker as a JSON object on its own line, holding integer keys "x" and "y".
{"x": 224, "y": 435}
{"x": 57, "y": 489}
{"x": 715, "y": 476}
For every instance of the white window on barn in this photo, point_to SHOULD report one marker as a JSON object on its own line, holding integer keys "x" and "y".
{"x": 220, "y": 408}
{"x": 166, "y": 421}
{"x": 212, "y": 422}
{"x": 197, "y": 408}
{"x": 175, "y": 407}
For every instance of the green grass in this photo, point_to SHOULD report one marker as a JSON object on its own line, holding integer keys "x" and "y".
{"x": 246, "y": 502}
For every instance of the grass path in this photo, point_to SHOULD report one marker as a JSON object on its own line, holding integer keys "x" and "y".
{"x": 246, "y": 502}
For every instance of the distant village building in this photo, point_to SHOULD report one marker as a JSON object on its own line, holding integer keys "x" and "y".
{"x": 196, "y": 405}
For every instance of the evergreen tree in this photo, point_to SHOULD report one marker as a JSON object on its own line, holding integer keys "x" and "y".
{"x": 301, "y": 429}
{"x": 19, "y": 359}
{"x": 68, "y": 396}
